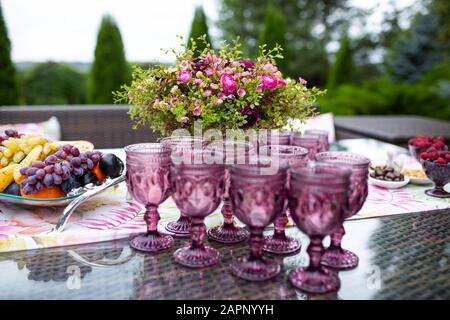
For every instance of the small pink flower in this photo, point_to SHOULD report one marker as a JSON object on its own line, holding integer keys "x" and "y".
{"x": 209, "y": 72}
{"x": 269, "y": 82}
{"x": 259, "y": 88}
{"x": 207, "y": 93}
{"x": 241, "y": 92}
{"x": 303, "y": 81}
{"x": 219, "y": 101}
{"x": 197, "y": 111}
{"x": 214, "y": 86}
{"x": 184, "y": 119}
{"x": 184, "y": 76}
{"x": 198, "y": 81}
{"x": 245, "y": 80}
{"x": 156, "y": 103}
{"x": 174, "y": 89}
{"x": 228, "y": 83}
{"x": 270, "y": 67}
{"x": 282, "y": 82}
{"x": 173, "y": 100}
{"x": 228, "y": 70}
{"x": 221, "y": 95}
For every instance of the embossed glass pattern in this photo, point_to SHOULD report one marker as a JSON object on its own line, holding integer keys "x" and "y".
{"x": 318, "y": 198}
{"x": 147, "y": 176}
{"x": 197, "y": 190}
{"x": 256, "y": 200}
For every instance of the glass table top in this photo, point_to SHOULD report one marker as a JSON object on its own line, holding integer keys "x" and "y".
{"x": 401, "y": 257}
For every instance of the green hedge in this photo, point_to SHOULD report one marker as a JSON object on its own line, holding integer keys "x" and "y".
{"x": 427, "y": 97}
{"x": 53, "y": 83}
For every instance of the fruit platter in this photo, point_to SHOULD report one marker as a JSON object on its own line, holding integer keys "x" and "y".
{"x": 36, "y": 171}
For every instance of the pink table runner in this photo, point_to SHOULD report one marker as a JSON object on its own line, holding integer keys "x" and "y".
{"x": 108, "y": 216}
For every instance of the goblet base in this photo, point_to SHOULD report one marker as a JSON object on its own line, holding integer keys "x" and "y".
{"x": 228, "y": 234}
{"x": 152, "y": 242}
{"x": 197, "y": 257}
{"x": 438, "y": 193}
{"x": 255, "y": 269}
{"x": 317, "y": 282}
{"x": 180, "y": 228}
{"x": 281, "y": 245}
{"x": 338, "y": 258}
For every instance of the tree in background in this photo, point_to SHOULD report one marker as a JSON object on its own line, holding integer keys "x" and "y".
{"x": 417, "y": 52}
{"x": 198, "y": 29}
{"x": 442, "y": 8}
{"x": 52, "y": 83}
{"x": 342, "y": 70}
{"x": 312, "y": 24}
{"x": 110, "y": 69}
{"x": 9, "y": 93}
{"x": 274, "y": 32}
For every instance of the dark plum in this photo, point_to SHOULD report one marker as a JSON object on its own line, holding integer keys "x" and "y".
{"x": 13, "y": 189}
{"x": 89, "y": 177}
{"x": 71, "y": 183}
{"x": 111, "y": 165}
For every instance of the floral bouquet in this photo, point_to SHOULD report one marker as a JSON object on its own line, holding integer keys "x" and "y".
{"x": 218, "y": 89}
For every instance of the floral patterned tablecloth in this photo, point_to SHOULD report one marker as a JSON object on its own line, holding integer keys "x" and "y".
{"x": 108, "y": 216}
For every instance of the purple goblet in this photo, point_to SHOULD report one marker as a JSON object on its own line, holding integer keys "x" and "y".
{"x": 181, "y": 227}
{"x": 197, "y": 189}
{"x": 323, "y": 135}
{"x": 147, "y": 175}
{"x": 335, "y": 256}
{"x": 228, "y": 232}
{"x": 440, "y": 175}
{"x": 279, "y": 242}
{"x": 318, "y": 198}
{"x": 308, "y": 141}
{"x": 257, "y": 195}
{"x": 275, "y": 137}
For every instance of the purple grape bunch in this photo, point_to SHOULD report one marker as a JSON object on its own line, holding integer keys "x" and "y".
{"x": 57, "y": 168}
{"x": 9, "y": 133}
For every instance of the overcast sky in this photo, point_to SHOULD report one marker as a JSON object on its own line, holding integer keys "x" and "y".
{"x": 66, "y": 30}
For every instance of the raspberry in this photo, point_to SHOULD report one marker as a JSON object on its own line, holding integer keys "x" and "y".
{"x": 441, "y": 161}
{"x": 424, "y": 155}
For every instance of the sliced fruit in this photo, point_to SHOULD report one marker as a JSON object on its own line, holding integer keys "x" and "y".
{"x": 98, "y": 172}
{"x": 34, "y": 155}
{"x": 46, "y": 193}
{"x": 6, "y": 176}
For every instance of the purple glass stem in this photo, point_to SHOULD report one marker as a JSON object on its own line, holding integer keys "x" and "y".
{"x": 315, "y": 251}
{"x": 256, "y": 243}
{"x": 151, "y": 218}
{"x": 280, "y": 226}
{"x": 336, "y": 238}
{"x": 227, "y": 213}
{"x": 198, "y": 231}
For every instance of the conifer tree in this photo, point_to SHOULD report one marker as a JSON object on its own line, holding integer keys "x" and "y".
{"x": 9, "y": 93}
{"x": 110, "y": 69}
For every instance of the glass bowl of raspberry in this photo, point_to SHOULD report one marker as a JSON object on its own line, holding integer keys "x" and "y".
{"x": 421, "y": 144}
{"x": 436, "y": 165}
